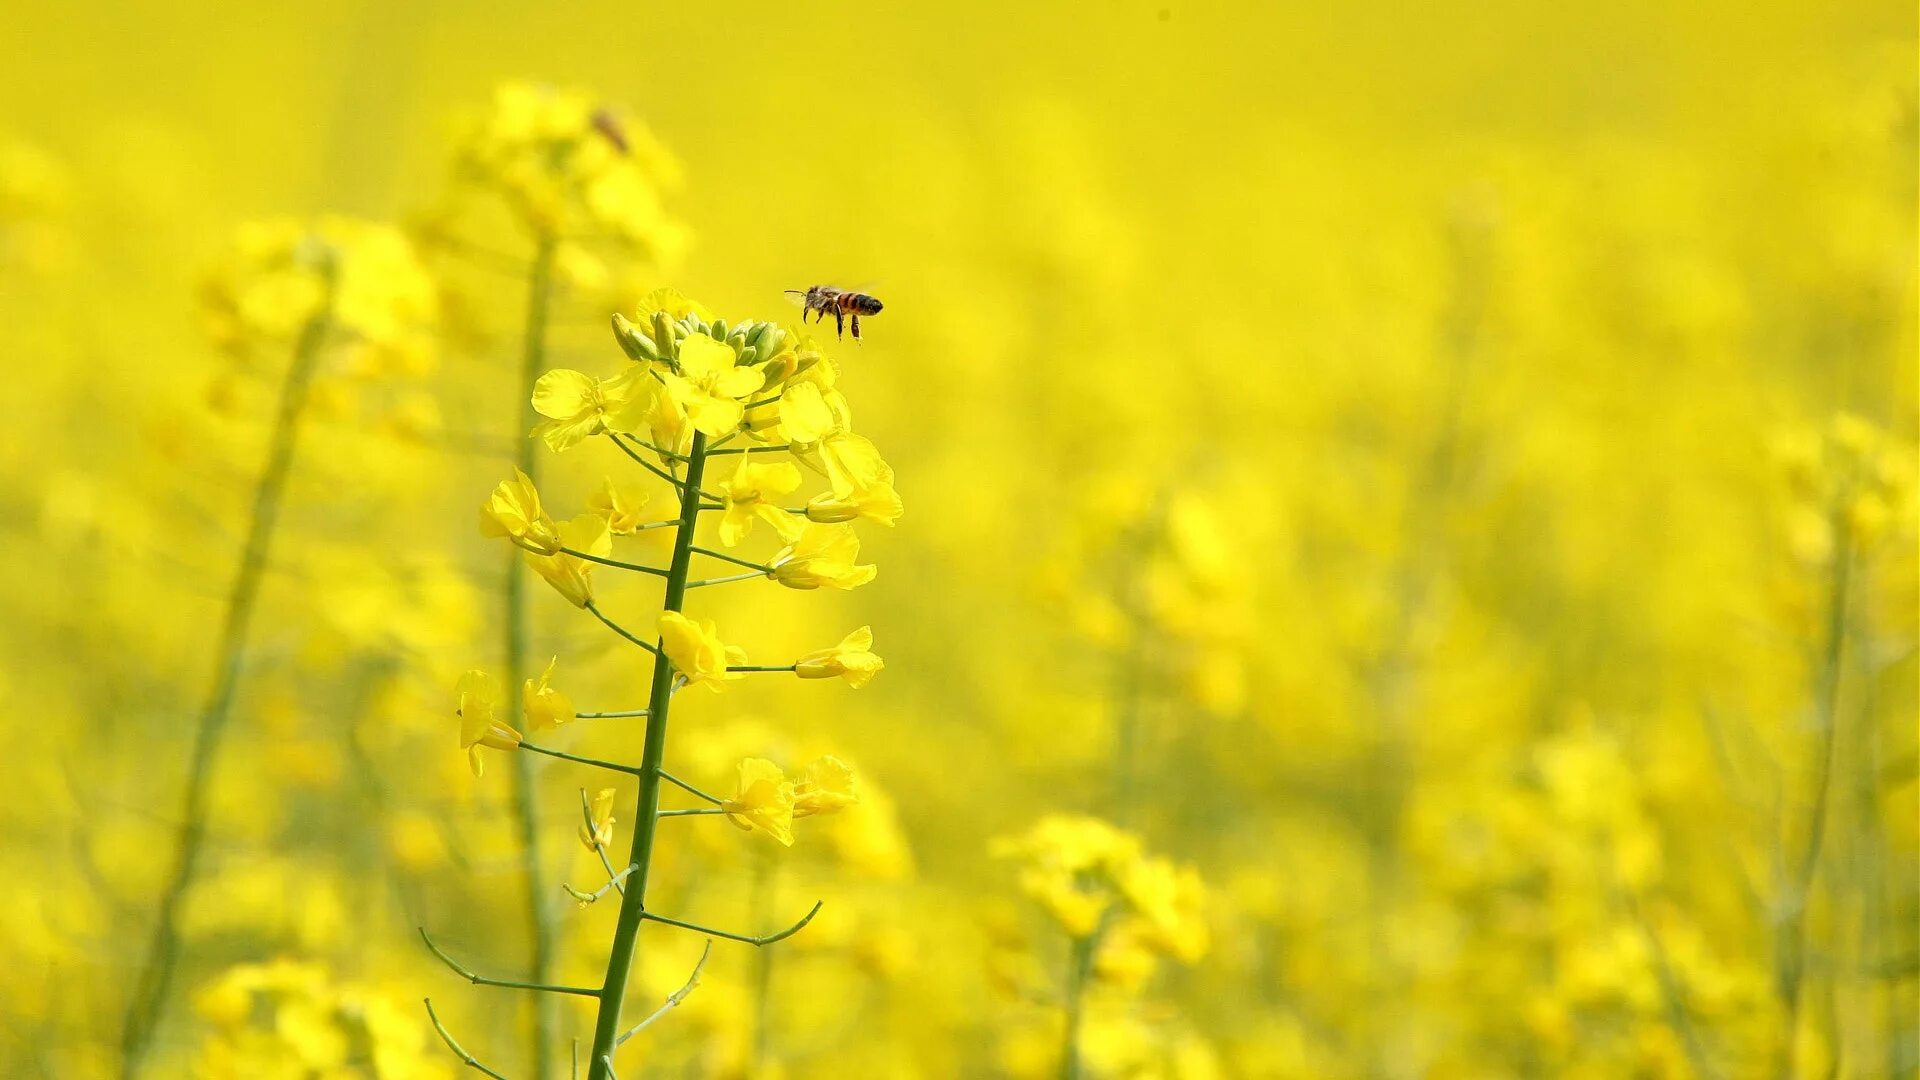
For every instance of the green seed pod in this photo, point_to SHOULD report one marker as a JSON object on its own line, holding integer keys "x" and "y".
{"x": 748, "y": 356}
{"x": 718, "y": 329}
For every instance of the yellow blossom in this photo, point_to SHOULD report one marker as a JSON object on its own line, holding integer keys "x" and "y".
{"x": 697, "y": 652}
{"x": 571, "y": 575}
{"x": 825, "y": 788}
{"x": 819, "y": 556}
{"x": 620, "y": 504}
{"x": 578, "y": 406}
{"x": 478, "y": 699}
{"x": 853, "y": 660}
{"x": 752, "y": 493}
{"x": 513, "y": 511}
{"x": 763, "y": 800}
{"x": 597, "y": 831}
{"x": 545, "y": 707}
{"x": 708, "y": 387}
{"x": 876, "y": 502}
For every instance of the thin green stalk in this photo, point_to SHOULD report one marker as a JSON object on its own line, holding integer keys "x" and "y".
{"x": 1793, "y": 938}
{"x": 613, "y": 990}
{"x": 762, "y": 907}
{"x": 151, "y": 987}
{"x": 1079, "y": 964}
{"x": 533, "y": 360}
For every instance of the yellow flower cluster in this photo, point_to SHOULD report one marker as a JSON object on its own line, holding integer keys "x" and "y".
{"x": 1096, "y": 880}
{"x": 286, "y": 1017}
{"x": 381, "y": 307}
{"x": 569, "y": 164}
{"x": 766, "y": 801}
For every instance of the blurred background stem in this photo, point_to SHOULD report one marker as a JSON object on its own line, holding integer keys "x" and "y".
{"x": 152, "y": 986}
{"x": 533, "y": 359}
{"x": 1826, "y": 694}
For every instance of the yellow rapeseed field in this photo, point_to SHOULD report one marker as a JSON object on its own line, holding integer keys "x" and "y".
{"x": 1302, "y": 541}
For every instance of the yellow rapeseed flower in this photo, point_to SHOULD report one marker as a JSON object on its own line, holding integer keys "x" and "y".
{"x": 762, "y": 800}
{"x": 619, "y": 503}
{"x": 709, "y": 387}
{"x": 513, "y": 511}
{"x": 853, "y": 660}
{"x": 597, "y": 831}
{"x": 825, "y": 788}
{"x": 478, "y": 701}
{"x": 697, "y": 652}
{"x": 578, "y": 406}
{"x": 571, "y": 575}
{"x": 544, "y": 706}
{"x": 818, "y": 556}
{"x": 753, "y": 493}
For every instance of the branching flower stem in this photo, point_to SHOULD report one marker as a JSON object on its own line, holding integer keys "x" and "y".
{"x": 613, "y": 990}
{"x": 539, "y": 906}
{"x": 152, "y": 986}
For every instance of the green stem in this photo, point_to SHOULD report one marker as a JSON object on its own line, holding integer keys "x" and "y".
{"x": 615, "y": 563}
{"x": 626, "y": 934}
{"x": 1079, "y": 963}
{"x": 151, "y": 987}
{"x": 723, "y": 556}
{"x": 533, "y": 359}
{"x": 1793, "y": 943}
{"x": 611, "y": 766}
{"x": 623, "y": 632}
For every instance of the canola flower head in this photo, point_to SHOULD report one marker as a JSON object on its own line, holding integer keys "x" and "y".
{"x": 1094, "y": 878}
{"x": 363, "y": 277}
{"x": 568, "y": 164}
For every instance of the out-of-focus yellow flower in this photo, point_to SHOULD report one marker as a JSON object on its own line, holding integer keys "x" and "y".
{"x": 569, "y": 164}
{"x": 697, "y": 652}
{"x": 579, "y": 406}
{"x": 280, "y": 274}
{"x": 853, "y": 660}
{"x": 752, "y": 493}
{"x": 709, "y": 387}
{"x": 597, "y": 831}
{"x": 620, "y": 504}
{"x": 571, "y": 575}
{"x": 1171, "y": 903}
{"x": 478, "y": 701}
{"x": 826, "y": 788}
{"x": 545, "y": 707}
{"x": 818, "y": 556}
{"x": 513, "y": 511}
{"x": 763, "y": 800}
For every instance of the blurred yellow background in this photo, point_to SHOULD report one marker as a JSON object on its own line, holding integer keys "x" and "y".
{"x": 1445, "y": 474}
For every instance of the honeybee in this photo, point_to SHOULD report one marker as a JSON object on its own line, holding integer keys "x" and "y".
{"x": 844, "y": 304}
{"x": 608, "y": 124}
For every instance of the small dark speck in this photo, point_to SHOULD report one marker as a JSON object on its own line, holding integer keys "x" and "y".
{"x": 1164, "y": 15}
